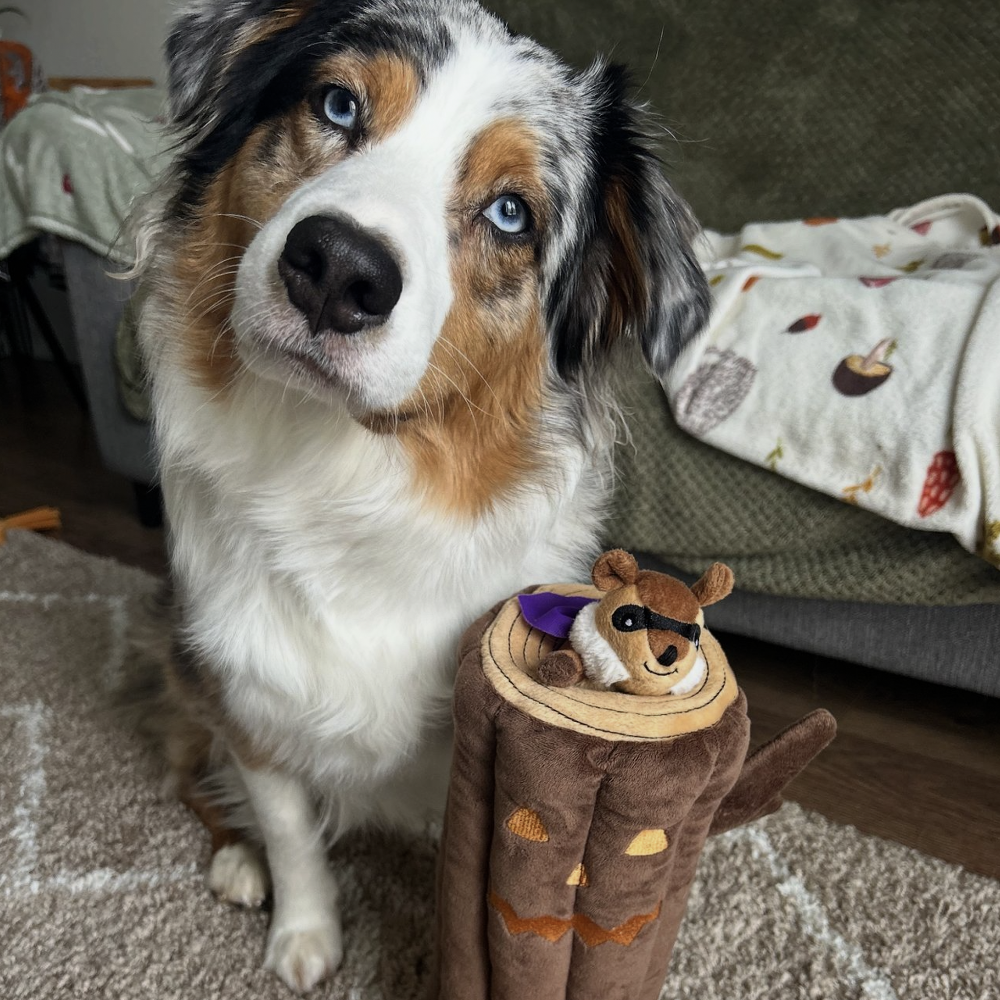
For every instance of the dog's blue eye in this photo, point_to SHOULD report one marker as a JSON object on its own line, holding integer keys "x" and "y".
{"x": 509, "y": 214}
{"x": 341, "y": 107}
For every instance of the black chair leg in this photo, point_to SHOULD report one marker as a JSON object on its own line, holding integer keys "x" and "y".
{"x": 149, "y": 505}
{"x": 27, "y": 294}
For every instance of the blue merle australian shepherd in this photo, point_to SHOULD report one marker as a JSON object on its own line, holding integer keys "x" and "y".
{"x": 395, "y": 252}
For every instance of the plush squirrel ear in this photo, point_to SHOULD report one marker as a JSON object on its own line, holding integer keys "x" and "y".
{"x": 715, "y": 584}
{"x": 634, "y": 271}
{"x": 615, "y": 569}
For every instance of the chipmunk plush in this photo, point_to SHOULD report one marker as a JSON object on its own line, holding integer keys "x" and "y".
{"x": 643, "y": 637}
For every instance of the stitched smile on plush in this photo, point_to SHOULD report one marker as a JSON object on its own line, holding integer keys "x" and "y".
{"x": 527, "y": 825}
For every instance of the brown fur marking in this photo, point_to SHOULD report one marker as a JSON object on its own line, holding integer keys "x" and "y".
{"x": 387, "y": 84}
{"x": 472, "y": 431}
{"x": 277, "y": 158}
{"x": 628, "y": 293}
{"x": 263, "y": 28}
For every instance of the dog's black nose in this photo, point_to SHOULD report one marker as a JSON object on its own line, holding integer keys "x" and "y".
{"x": 340, "y": 277}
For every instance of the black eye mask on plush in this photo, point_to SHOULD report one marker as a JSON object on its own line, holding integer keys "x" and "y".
{"x": 633, "y": 618}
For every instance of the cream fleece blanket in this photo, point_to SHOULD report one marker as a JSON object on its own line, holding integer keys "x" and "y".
{"x": 860, "y": 357}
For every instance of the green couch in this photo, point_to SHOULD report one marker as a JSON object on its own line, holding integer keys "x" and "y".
{"x": 780, "y": 109}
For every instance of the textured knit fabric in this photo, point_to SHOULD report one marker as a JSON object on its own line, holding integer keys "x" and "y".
{"x": 859, "y": 357}
{"x": 783, "y": 110}
{"x": 690, "y": 504}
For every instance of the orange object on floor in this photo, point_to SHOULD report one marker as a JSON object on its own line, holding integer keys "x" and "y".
{"x": 39, "y": 519}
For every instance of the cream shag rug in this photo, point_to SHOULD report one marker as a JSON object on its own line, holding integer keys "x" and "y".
{"x": 101, "y": 883}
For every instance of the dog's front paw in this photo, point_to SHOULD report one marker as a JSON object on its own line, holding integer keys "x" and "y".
{"x": 304, "y": 957}
{"x": 238, "y": 875}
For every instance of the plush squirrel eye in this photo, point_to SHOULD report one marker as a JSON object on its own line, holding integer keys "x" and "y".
{"x": 629, "y": 618}
{"x": 340, "y": 107}
{"x": 509, "y": 214}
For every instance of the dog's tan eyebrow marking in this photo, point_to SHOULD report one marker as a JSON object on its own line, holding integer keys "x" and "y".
{"x": 387, "y": 83}
{"x": 504, "y": 157}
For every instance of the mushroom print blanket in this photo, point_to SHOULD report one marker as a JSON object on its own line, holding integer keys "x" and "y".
{"x": 860, "y": 357}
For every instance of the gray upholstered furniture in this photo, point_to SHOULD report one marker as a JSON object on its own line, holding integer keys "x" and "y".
{"x": 97, "y": 301}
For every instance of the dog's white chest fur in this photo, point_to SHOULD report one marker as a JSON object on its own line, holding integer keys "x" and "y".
{"x": 328, "y": 596}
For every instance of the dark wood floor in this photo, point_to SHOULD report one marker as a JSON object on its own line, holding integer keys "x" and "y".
{"x": 914, "y": 762}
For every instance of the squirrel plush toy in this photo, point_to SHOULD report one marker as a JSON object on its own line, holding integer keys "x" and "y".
{"x": 643, "y": 637}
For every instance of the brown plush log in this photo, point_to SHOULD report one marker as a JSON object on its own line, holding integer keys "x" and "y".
{"x": 576, "y": 817}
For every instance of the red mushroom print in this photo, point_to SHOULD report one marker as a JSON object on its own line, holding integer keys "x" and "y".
{"x": 857, "y": 375}
{"x": 805, "y": 323}
{"x": 877, "y": 282}
{"x": 67, "y": 184}
{"x": 922, "y": 228}
{"x": 942, "y": 480}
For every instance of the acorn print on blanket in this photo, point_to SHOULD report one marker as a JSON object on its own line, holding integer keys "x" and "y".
{"x": 805, "y": 323}
{"x": 942, "y": 480}
{"x": 858, "y": 375}
{"x": 713, "y": 391}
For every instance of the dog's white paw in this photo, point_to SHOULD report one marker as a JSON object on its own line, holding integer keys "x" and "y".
{"x": 304, "y": 957}
{"x": 238, "y": 875}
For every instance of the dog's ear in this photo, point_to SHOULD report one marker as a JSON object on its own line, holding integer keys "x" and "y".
{"x": 634, "y": 271}
{"x": 615, "y": 569}
{"x": 199, "y": 38}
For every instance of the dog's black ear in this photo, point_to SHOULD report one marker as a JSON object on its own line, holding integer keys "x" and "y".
{"x": 199, "y": 37}
{"x": 634, "y": 271}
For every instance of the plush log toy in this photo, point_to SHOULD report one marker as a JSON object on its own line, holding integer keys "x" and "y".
{"x": 600, "y": 738}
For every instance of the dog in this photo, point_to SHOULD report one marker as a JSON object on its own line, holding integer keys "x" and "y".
{"x": 387, "y": 272}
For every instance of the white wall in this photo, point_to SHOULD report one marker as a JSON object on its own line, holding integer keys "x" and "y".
{"x": 93, "y": 37}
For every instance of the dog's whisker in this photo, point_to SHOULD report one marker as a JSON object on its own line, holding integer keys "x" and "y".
{"x": 447, "y": 343}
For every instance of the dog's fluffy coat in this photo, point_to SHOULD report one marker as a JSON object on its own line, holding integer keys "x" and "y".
{"x": 341, "y": 507}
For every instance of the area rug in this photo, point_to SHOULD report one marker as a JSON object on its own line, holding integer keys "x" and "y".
{"x": 102, "y": 891}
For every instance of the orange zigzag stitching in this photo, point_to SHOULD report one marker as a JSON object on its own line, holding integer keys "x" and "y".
{"x": 553, "y": 928}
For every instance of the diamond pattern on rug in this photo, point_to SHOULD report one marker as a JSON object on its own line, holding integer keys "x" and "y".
{"x": 102, "y": 889}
